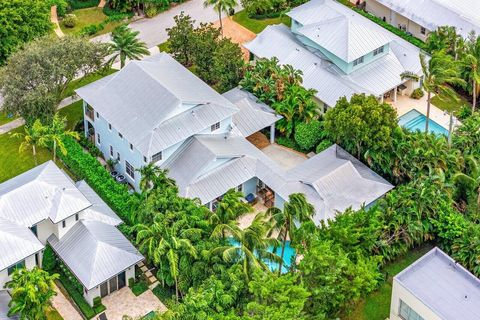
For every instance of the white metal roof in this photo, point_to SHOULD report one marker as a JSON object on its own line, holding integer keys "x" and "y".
{"x": 16, "y": 243}
{"x": 99, "y": 210}
{"x": 44, "y": 192}
{"x": 95, "y": 252}
{"x": 150, "y": 102}
{"x": 443, "y": 285}
{"x": 254, "y": 115}
{"x": 462, "y": 14}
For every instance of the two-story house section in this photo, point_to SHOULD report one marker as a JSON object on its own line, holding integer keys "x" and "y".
{"x": 420, "y": 17}
{"x": 340, "y": 52}
{"x": 144, "y": 112}
{"x": 44, "y": 206}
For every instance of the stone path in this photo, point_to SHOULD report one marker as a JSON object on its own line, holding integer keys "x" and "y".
{"x": 54, "y": 20}
{"x": 64, "y": 306}
{"x": 20, "y": 122}
{"x": 124, "y": 302}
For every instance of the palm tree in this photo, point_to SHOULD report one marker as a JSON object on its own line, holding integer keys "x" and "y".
{"x": 31, "y": 292}
{"x": 56, "y": 133}
{"x": 165, "y": 243}
{"x": 229, "y": 209}
{"x": 438, "y": 73}
{"x": 127, "y": 45}
{"x": 148, "y": 175}
{"x": 220, "y": 6}
{"x": 297, "y": 209}
{"x": 470, "y": 67}
{"x": 471, "y": 180}
{"x": 250, "y": 245}
{"x": 34, "y": 136}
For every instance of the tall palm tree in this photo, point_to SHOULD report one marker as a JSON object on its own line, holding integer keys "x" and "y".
{"x": 220, "y": 6}
{"x": 471, "y": 180}
{"x": 165, "y": 243}
{"x": 149, "y": 174}
{"x": 125, "y": 44}
{"x": 296, "y": 210}
{"x": 229, "y": 209}
{"x": 250, "y": 245}
{"x": 56, "y": 133}
{"x": 438, "y": 73}
{"x": 470, "y": 66}
{"x": 34, "y": 136}
{"x": 31, "y": 292}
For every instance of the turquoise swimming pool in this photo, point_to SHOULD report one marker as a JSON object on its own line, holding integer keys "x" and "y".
{"x": 414, "y": 120}
{"x": 287, "y": 256}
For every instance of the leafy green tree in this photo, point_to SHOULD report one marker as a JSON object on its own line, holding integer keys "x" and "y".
{"x": 439, "y": 73}
{"x": 251, "y": 245}
{"x": 446, "y": 39}
{"x": 361, "y": 124}
{"x": 34, "y": 136}
{"x": 295, "y": 210}
{"x": 228, "y": 65}
{"x": 31, "y": 292}
{"x": 125, "y": 44}
{"x": 56, "y": 133}
{"x": 21, "y": 21}
{"x": 466, "y": 248}
{"x": 471, "y": 180}
{"x": 308, "y": 135}
{"x": 204, "y": 47}
{"x": 220, "y": 6}
{"x": 35, "y": 78}
{"x": 470, "y": 67}
{"x": 181, "y": 37}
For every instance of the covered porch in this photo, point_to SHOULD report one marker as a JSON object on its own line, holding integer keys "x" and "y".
{"x": 403, "y": 90}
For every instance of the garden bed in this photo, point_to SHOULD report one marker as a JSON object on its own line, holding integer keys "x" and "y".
{"x": 88, "y": 17}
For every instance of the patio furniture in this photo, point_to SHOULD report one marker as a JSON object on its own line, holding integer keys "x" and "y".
{"x": 251, "y": 198}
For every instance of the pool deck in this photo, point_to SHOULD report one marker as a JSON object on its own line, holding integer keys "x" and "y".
{"x": 405, "y": 104}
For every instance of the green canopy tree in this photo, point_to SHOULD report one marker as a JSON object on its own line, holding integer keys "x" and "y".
{"x": 31, "y": 292}
{"x": 472, "y": 179}
{"x": 181, "y": 37}
{"x": 34, "y": 136}
{"x": 439, "y": 73}
{"x": 220, "y": 6}
{"x": 295, "y": 210}
{"x": 125, "y": 44}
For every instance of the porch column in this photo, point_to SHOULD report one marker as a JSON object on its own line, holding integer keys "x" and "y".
{"x": 272, "y": 133}
{"x": 381, "y": 98}
{"x": 395, "y": 94}
{"x": 85, "y": 121}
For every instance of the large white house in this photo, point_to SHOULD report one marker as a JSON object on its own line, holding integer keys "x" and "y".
{"x": 43, "y": 205}
{"x": 340, "y": 52}
{"x": 420, "y": 17}
{"x": 156, "y": 110}
{"x": 435, "y": 287}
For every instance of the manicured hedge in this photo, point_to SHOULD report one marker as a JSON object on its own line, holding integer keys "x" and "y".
{"x": 80, "y": 301}
{"x": 308, "y": 135}
{"x": 86, "y": 167}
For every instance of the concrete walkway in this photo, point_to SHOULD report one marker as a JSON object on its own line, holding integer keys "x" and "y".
{"x": 64, "y": 306}
{"x": 54, "y": 20}
{"x": 124, "y": 302}
{"x": 20, "y": 122}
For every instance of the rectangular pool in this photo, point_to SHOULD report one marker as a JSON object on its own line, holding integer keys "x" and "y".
{"x": 414, "y": 120}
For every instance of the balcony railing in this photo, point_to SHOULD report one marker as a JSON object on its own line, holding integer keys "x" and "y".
{"x": 89, "y": 113}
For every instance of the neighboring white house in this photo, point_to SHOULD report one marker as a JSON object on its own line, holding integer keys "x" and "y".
{"x": 435, "y": 287}
{"x": 168, "y": 116}
{"x": 420, "y": 17}
{"x": 340, "y": 52}
{"x": 43, "y": 205}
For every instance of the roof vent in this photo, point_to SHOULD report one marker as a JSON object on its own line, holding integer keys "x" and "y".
{"x": 297, "y": 49}
{"x": 193, "y": 113}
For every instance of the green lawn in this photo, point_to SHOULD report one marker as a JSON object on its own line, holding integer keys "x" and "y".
{"x": 75, "y": 84}
{"x": 13, "y": 162}
{"x": 87, "y": 17}
{"x": 257, "y": 26}
{"x": 4, "y": 118}
{"x": 450, "y": 104}
{"x": 53, "y": 314}
{"x": 377, "y": 305}
{"x": 164, "y": 47}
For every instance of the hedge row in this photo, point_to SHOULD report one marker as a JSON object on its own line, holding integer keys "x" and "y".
{"x": 80, "y": 301}
{"x": 86, "y": 167}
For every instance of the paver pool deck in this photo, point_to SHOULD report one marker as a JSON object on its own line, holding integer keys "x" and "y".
{"x": 124, "y": 302}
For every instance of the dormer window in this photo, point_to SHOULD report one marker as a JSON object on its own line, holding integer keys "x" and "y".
{"x": 378, "y": 51}
{"x": 215, "y": 126}
{"x": 120, "y": 135}
{"x": 131, "y": 146}
{"x": 357, "y": 61}
{"x": 157, "y": 157}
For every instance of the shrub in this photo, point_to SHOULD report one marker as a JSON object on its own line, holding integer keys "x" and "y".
{"x": 81, "y": 4}
{"x": 49, "y": 262}
{"x": 80, "y": 301}
{"x": 62, "y": 6}
{"x": 131, "y": 282}
{"x": 70, "y": 20}
{"x": 139, "y": 287}
{"x": 289, "y": 143}
{"x": 465, "y": 112}
{"x": 91, "y": 29}
{"x": 151, "y": 11}
{"x": 417, "y": 93}
{"x": 323, "y": 145}
{"x": 97, "y": 301}
{"x": 308, "y": 135}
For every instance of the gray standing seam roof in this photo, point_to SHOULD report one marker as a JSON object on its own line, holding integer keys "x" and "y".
{"x": 95, "y": 252}
{"x": 443, "y": 285}
{"x": 99, "y": 211}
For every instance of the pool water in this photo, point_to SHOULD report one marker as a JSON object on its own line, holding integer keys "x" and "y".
{"x": 414, "y": 120}
{"x": 288, "y": 254}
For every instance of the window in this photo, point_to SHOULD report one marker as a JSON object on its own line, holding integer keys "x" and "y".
{"x": 98, "y": 116}
{"x": 144, "y": 159}
{"x": 34, "y": 230}
{"x": 110, "y": 126}
{"x": 98, "y": 138}
{"x": 118, "y": 156}
{"x": 76, "y": 217}
{"x": 378, "y": 51}
{"x": 64, "y": 224}
{"x": 130, "y": 169}
{"x": 240, "y": 188}
{"x": 111, "y": 151}
{"x": 120, "y": 135}
{"x": 357, "y": 61}
{"x": 215, "y": 126}
{"x": 131, "y": 146}
{"x": 157, "y": 157}
{"x": 19, "y": 265}
{"x": 423, "y": 30}
{"x": 407, "y": 313}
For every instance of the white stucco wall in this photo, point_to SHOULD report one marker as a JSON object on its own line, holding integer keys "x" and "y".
{"x": 400, "y": 293}
{"x": 4, "y": 277}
